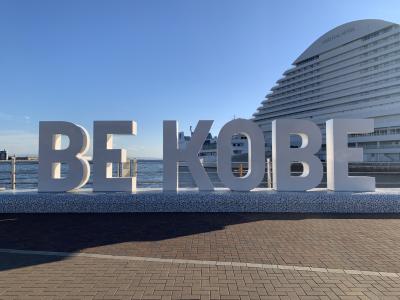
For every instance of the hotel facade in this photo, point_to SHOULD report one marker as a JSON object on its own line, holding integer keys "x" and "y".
{"x": 352, "y": 71}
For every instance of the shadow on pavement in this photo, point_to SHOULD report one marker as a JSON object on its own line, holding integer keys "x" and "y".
{"x": 76, "y": 232}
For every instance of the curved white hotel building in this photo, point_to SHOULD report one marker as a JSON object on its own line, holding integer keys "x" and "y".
{"x": 352, "y": 71}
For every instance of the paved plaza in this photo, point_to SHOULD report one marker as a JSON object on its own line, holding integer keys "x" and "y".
{"x": 199, "y": 256}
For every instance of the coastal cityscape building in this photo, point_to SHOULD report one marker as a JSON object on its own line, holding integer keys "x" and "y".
{"x": 108, "y": 192}
{"x": 352, "y": 71}
{"x": 3, "y": 155}
{"x": 208, "y": 152}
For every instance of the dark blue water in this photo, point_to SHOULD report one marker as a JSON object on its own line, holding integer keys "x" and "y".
{"x": 149, "y": 175}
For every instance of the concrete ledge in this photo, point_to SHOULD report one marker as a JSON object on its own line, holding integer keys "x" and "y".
{"x": 190, "y": 200}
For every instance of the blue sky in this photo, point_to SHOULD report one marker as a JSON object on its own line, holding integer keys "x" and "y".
{"x": 149, "y": 61}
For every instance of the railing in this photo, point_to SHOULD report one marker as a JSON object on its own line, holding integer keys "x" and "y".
{"x": 23, "y": 174}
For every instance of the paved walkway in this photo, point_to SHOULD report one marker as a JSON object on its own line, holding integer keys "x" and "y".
{"x": 199, "y": 256}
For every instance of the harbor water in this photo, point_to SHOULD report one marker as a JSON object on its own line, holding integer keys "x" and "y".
{"x": 150, "y": 174}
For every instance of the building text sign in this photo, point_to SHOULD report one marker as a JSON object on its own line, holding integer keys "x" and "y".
{"x": 338, "y": 155}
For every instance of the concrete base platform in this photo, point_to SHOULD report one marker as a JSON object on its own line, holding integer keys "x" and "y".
{"x": 190, "y": 200}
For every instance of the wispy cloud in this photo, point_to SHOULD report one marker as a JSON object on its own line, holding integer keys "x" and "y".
{"x": 16, "y": 118}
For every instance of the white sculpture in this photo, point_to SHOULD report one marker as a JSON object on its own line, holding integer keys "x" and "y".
{"x": 256, "y": 155}
{"x": 104, "y": 156}
{"x": 283, "y": 155}
{"x": 338, "y": 155}
{"x": 172, "y": 155}
{"x": 51, "y": 156}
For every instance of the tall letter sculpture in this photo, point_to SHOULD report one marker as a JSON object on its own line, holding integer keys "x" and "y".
{"x": 283, "y": 155}
{"x": 256, "y": 156}
{"x": 172, "y": 155}
{"x": 338, "y": 155}
{"x": 104, "y": 156}
{"x": 51, "y": 156}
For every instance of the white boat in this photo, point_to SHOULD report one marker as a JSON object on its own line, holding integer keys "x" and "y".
{"x": 208, "y": 153}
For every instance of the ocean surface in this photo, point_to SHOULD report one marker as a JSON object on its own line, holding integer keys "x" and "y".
{"x": 149, "y": 175}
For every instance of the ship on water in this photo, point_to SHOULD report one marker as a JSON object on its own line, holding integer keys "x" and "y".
{"x": 208, "y": 152}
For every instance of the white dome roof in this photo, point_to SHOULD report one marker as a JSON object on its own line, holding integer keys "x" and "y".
{"x": 341, "y": 35}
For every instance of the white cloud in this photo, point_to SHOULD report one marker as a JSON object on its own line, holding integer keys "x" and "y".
{"x": 15, "y": 118}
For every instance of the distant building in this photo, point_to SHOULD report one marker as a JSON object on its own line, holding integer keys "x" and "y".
{"x": 3, "y": 155}
{"x": 208, "y": 152}
{"x": 352, "y": 71}
{"x": 26, "y": 158}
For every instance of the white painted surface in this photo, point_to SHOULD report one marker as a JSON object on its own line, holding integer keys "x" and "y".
{"x": 172, "y": 155}
{"x": 200, "y": 262}
{"x": 338, "y": 155}
{"x": 283, "y": 156}
{"x": 104, "y": 156}
{"x": 256, "y": 155}
{"x": 51, "y": 156}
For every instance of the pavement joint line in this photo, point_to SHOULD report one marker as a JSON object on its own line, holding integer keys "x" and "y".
{"x": 199, "y": 262}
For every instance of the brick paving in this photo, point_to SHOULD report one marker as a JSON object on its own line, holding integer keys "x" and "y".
{"x": 355, "y": 242}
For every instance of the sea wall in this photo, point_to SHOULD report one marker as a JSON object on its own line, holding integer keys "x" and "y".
{"x": 190, "y": 200}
